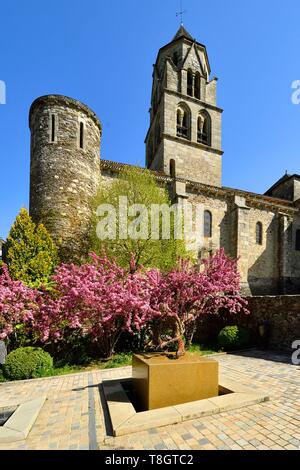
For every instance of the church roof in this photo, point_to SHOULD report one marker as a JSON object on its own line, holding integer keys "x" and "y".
{"x": 182, "y": 33}
{"x": 116, "y": 167}
{"x": 283, "y": 179}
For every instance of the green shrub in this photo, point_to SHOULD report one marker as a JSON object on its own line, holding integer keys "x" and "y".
{"x": 233, "y": 337}
{"x": 30, "y": 252}
{"x": 27, "y": 363}
{"x": 2, "y": 378}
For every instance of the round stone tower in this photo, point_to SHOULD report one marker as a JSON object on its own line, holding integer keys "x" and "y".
{"x": 64, "y": 170}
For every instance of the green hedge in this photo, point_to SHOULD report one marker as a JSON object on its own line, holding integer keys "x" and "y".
{"x": 233, "y": 337}
{"x": 27, "y": 363}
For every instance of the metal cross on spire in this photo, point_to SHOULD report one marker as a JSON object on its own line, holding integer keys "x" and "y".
{"x": 181, "y": 13}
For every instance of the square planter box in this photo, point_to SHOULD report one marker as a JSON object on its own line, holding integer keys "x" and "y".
{"x": 160, "y": 381}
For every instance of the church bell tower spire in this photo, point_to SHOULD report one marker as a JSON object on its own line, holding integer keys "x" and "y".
{"x": 184, "y": 137}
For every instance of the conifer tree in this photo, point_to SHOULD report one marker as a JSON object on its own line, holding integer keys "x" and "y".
{"x": 30, "y": 252}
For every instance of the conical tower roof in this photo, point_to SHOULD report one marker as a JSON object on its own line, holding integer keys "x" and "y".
{"x": 182, "y": 33}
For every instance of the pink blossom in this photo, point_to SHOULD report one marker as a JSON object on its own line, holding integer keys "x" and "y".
{"x": 100, "y": 300}
{"x": 18, "y": 304}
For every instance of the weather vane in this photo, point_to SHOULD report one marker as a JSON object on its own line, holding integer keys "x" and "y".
{"x": 181, "y": 13}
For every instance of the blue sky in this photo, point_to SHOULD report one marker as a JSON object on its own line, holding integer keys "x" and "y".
{"x": 101, "y": 52}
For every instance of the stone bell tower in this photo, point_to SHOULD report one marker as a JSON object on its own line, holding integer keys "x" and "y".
{"x": 184, "y": 137}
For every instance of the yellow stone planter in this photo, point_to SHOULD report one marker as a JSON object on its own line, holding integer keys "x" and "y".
{"x": 160, "y": 381}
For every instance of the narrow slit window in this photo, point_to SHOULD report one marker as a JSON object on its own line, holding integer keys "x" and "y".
{"x": 190, "y": 83}
{"x": 53, "y": 123}
{"x": 81, "y": 135}
{"x": 172, "y": 168}
{"x": 259, "y": 233}
{"x": 197, "y": 85}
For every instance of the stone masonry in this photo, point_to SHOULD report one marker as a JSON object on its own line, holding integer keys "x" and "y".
{"x": 280, "y": 311}
{"x": 63, "y": 176}
{"x": 194, "y": 160}
{"x": 184, "y": 153}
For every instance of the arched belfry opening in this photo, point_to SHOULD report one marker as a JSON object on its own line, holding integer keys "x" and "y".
{"x": 204, "y": 128}
{"x": 183, "y": 121}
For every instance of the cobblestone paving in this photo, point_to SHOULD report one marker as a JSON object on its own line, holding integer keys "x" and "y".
{"x": 73, "y": 416}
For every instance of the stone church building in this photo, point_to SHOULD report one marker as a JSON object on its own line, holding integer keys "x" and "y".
{"x": 184, "y": 151}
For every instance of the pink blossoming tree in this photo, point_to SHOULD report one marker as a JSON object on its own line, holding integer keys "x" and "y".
{"x": 18, "y": 307}
{"x": 180, "y": 296}
{"x": 98, "y": 301}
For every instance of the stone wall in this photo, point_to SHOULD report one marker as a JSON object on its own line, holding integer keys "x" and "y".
{"x": 283, "y": 313}
{"x": 234, "y": 219}
{"x": 63, "y": 176}
{"x": 294, "y": 258}
{"x": 263, "y": 263}
{"x": 221, "y": 227}
{"x": 194, "y": 161}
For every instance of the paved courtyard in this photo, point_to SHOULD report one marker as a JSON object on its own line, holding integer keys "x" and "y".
{"x": 74, "y": 415}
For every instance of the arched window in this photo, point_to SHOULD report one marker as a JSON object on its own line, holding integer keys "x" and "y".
{"x": 297, "y": 244}
{"x": 172, "y": 168}
{"x": 207, "y": 224}
{"x": 183, "y": 122}
{"x": 190, "y": 79}
{"x": 81, "y": 135}
{"x": 259, "y": 233}
{"x": 197, "y": 86}
{"x": 204, "y": 128}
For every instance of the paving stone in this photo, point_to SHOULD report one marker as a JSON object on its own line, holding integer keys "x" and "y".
{"x": 152, "y": 431}
{"x": 200, "y": 427}
{"x": 160, "y": 447}
{"x": 260, "y": 426}
{"x": 203, "y": 442}
{"x": 187, "y": 436}
{"x": 255, "y": 442}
